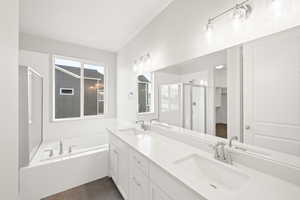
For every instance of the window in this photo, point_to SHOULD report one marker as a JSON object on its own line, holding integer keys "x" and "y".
{"x": 66, "y": 91}
{"x": 79, "y": 88}
{"x": 145, "y": 92}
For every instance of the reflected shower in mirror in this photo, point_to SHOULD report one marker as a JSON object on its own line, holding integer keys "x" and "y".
{"x": 251, "y": 91}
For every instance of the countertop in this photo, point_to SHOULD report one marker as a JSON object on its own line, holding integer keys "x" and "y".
{"x": 164, "y": 151}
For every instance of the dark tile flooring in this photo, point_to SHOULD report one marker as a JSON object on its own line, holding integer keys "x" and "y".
{"x": 103, "y": 189}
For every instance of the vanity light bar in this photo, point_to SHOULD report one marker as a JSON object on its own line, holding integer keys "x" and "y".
{"x": 143, "y": 62}
{"x": 240, "y": 11}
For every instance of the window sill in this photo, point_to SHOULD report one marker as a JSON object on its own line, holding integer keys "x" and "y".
{"x": 79, "y": 118}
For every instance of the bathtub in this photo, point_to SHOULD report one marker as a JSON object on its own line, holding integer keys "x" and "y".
{"x": 50, "y": 174}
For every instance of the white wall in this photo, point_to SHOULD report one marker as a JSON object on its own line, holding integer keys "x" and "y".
{"x": 234, "y": 93}
{"x": 37, "y": 53}
{"x": 221, "y": 77}
{"x": 177, "y": 35}
{"x": 9, "y": 17}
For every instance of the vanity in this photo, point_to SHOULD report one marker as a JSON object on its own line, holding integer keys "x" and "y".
{"x": 148, "y": 165}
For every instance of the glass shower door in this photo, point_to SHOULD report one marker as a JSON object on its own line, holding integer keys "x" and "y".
{"x": 194, "y": 107}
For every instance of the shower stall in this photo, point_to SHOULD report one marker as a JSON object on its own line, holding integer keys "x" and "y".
{"x": 184, "y": 105}
{"x": 30, "y": 114}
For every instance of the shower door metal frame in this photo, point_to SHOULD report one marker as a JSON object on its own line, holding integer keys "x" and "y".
{"x": 33, "y": 71}
{"x": 191, "y": 104}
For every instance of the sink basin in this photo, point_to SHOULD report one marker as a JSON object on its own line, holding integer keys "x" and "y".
{"x": 216, "y": 174}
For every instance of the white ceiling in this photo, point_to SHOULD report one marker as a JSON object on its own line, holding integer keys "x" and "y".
{"x": 198, "y": 64}
{"x": 102, "y": 24}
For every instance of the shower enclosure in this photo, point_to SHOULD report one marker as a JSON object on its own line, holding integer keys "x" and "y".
{"x": 183, "y": 105}
{"x": 30, "y": 114}
{"x": 194, "y": 107}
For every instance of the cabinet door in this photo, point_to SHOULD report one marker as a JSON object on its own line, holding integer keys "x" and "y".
{"x": 123, "y": 167}
{"x": 139, "y": 185}
{"x": 157, "y": 194}
{"x": 114, "y": 163}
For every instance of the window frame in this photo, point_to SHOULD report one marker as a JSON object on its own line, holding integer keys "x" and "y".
{"x": 152, "y": 107}
{"x": 82, "y": 63}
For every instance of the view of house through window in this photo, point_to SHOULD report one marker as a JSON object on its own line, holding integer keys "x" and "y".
{"x": 145, "y": 92}
{"x": 79, "y": 89}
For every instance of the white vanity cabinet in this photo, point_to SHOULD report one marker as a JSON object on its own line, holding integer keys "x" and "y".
{"x": 157, "y": 194}
{"x": 119, "y": 164}
{"x": 114, "y": 162}
{"x": 137, "y": 178}
{"x": 139, "y": 185}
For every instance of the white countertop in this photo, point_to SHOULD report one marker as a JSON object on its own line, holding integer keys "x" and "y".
{"x": 164, "y": 151}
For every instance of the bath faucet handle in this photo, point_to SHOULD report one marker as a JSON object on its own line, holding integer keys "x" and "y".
{"x": 71, "y": 148}
{"x": 51, "y": 152}
{"x": 216, "y": 149}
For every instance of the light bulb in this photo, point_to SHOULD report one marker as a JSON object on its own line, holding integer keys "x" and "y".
{"x": 209, "y": 26}
{"x": 277, "y": 7}
{"x": 135, "y": 66}
{"x": 241, "y": 12}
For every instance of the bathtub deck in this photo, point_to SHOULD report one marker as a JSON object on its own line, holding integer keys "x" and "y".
{"x": 103, "y": 189}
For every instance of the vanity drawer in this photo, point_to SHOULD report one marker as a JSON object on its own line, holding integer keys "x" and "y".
{"x": 140, "y": 162}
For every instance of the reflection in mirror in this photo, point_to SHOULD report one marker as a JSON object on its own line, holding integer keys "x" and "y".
{"x": 251, "y": 91}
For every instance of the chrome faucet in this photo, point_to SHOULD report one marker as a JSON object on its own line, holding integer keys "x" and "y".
{"x": 142, "y": 122}
{"x": 221, "y": 154}
{"x": 61, "y": 147}
{"x": 231, "y": 140}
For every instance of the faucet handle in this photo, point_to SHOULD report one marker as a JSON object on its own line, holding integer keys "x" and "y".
{"x": 51, "y": 152}
{"x": 71, "y": 148}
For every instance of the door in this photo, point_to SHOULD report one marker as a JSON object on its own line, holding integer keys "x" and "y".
{"x": 272, "y": 92}
{"x": 114, "y": 163}
{"x": 139, "y": 185}
{"x": 198, "y": 109}
{"x": 123, "y": 167}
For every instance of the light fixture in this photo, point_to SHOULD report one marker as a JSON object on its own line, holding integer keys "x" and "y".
{"x": 220, "y": 66}
{"x": 241, "y": 11}
{"x": 142, "y": 64}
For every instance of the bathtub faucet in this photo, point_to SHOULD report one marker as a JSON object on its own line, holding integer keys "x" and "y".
{"x": 61, "y": 147}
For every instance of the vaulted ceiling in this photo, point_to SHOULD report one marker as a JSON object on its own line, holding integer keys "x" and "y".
{"x": 102, "y": 24}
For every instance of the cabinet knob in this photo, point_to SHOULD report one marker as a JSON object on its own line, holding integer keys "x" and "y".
{"x": 247, "y": 127}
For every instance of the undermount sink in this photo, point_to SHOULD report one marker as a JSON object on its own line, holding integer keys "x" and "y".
{"x": 216, "y": 174}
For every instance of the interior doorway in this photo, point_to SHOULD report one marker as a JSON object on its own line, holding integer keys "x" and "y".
{"x": 221, "y": 101}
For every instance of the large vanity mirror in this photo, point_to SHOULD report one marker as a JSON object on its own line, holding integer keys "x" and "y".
{"x": 251, "y": 91}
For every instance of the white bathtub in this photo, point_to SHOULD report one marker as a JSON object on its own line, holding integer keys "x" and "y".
{"x": 47, "y": 175}
{"x": 79, "y": 145}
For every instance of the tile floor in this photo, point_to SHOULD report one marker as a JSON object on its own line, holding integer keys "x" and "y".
{"x": 103, "y": 189}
